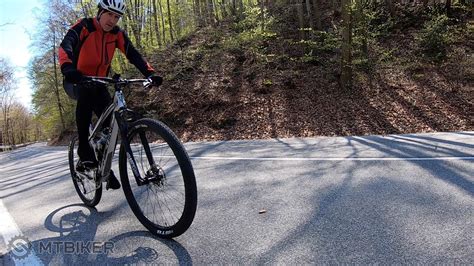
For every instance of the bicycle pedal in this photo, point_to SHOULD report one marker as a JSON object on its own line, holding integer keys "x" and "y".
{"x": 84, "y": 175}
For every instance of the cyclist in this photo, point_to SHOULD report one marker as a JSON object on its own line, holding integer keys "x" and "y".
{"x": 88, "y": 49}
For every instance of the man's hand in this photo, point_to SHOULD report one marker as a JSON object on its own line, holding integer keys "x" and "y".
{"x": 73, "y": 76}
{"x": 156, "y": 80}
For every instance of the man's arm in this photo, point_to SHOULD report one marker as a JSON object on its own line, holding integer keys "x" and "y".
{"x": 66, "y": 49}
{"x": 127, "y": 48}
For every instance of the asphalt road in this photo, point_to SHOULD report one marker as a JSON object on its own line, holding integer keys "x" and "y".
{"x": 376, "y": 199}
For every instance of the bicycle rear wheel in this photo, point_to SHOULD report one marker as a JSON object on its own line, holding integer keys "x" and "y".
{"x": 88, "y": 189}
{"x": 166, "y": 203}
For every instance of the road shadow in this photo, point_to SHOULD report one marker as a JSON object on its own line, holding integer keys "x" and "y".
{"x": 339, "y": 212}
{"x": 137, "y": 247}
{"x": 76, "y": 242}
{"x": 415, "y": 146}
{"x": 47, "y": 168}
{"x": 381, "y": 217}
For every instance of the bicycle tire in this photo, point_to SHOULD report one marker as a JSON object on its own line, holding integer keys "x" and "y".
{"x": 95, "y": 187}
{"x": 171, "y": 160}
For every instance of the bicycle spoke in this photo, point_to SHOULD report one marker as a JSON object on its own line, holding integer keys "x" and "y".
{"x": 88, "y": 190}
{"x": 165, "y": 200}
{"x": 162, "y": 204}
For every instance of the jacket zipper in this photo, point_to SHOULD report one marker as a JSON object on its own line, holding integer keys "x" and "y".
{"x": 106, "y": 54}
{"x": 102, "y": 55}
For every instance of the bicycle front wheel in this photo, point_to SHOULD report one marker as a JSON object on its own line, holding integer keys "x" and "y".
{"x": 165, "y": 201}
{"x": 88, "y": 189}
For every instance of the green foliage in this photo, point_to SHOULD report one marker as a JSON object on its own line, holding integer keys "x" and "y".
{"x": 310, "y": 58}
{"x": 45, "y": 101}
{"x": 378, "y": 24}
{"x": 434, "y": 38}
{"x": 253, "y": 20}
{"x": 254, "y": 28}
{"x": 267, "y": 82}
{"x": 327, "y": 42}
{"x": 320, "y": 44}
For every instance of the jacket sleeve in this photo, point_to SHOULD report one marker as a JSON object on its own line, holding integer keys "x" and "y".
{"x": 66, "y": 49}
{"x": 127, "y": 48}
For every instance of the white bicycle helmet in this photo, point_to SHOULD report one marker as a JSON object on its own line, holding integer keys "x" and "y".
{"x": 116, "y": 6}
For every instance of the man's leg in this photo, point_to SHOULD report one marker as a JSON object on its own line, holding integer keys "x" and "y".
{"x": 83, "y": 121}
{"x": 102, "y": 101}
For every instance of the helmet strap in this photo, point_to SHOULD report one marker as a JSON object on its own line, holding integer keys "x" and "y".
{"x": 100, "y": 12}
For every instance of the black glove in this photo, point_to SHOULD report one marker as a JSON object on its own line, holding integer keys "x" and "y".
{"x": 156, "y": 80}
{"x": 73, "y": 75}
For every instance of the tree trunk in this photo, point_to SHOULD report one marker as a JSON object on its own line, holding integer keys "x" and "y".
{"x": 149, "y": 15}
{"x": 197, "y": 13}
{"x": 84, "y": 9}
{"x": 335, "y": 6}
{"x": 224, "y": 8}
{"x": 204, "y": 12}
{"x": 309, "y": 14}
{"x": 241, "y": 9}
{"x": 210, "y": 12}
{"x": 56, "y": 84}
{"x": 170, "y": 21}
{"x": 6, "y": 136}
{"x": 391, "y": 7}
{"x": 155, "y": 19}
{"x": 317, "y": 13}
{"x": 179, "y": 18}
{"x": 233, "y": 8}
{"x": 134, "y": 21}
{"x": 163, "y": 28}
{"x": 12, "y": 132}
{"x": 360, "y": 19}
{"x": 216, "y": 11}
{"x": 346, "y": 58}
{"x": 301, "y": 26}
{"x": 448, "y": 8}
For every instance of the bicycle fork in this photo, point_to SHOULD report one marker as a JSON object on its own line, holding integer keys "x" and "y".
{"x": 123, "y": 126}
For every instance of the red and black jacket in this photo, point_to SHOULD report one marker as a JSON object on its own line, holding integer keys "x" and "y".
{"x": 89, "y": 49}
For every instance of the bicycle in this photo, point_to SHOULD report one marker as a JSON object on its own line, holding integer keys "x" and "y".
{"x": 158, "y": 170}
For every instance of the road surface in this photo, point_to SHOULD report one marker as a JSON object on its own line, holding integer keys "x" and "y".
{"x": 374, "y": 199}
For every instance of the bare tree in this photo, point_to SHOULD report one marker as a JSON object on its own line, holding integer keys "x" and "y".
{"x": 309, "y": 14}
{"x": 448, "y": 7}
{"x": 6, "y": 75}
{"x": 391, "y": 7}
{"x": 155, "y": 13}
{"x": 317, "y": 13}
{"x": 7, "y": 85}
{"x": 135, "y": 19}
{"x": 300, "y": 13}
{"x": 346, "y": 58}
{"x": 56, "y": 79}
{"x": 44, "y": 70}
{"x": 170, "y": 20}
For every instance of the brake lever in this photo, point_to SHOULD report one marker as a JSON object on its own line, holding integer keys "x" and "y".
{"x": 148, "y": 84}
{"x": 98, "y": 81}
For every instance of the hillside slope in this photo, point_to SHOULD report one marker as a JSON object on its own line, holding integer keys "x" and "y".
{"x": 272, "y": 87}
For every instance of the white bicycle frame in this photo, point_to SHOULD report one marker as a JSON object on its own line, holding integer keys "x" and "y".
{"x": 115, "y": 108}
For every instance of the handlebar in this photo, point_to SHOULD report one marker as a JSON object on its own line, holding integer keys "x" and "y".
{"x": 117, "y": 81}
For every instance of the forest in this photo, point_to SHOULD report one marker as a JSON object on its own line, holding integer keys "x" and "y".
{"x": 245, "y": 69}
